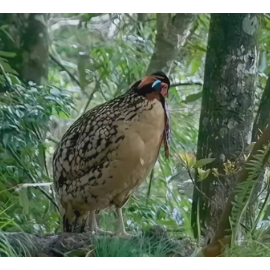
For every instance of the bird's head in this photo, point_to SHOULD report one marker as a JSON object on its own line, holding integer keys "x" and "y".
{"x": 154, "y": 86}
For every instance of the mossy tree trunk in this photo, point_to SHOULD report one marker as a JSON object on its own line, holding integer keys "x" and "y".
{"x": 226, "y": 112}
{"x": 28, "y": 38}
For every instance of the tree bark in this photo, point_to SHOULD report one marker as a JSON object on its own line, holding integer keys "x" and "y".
{"x": 30, "y": 43}
{"x": 226, "y": 113}
{"x": 170, "y": 34}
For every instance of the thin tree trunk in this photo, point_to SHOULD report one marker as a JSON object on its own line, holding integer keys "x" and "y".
{"x": 263, "y": 114}
{"x": 30, "y": 43}
{"x": 170, "y": 34}
{"x": 226, "y": 113}
{"x": 34, "y": 44}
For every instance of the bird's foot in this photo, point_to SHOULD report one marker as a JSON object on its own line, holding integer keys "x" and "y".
{"x": 123, "y": 234}
{"x": 95, "y": 231}
{"x": 102, "y": 232}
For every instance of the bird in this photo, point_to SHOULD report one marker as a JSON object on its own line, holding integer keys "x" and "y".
{"x": 108, "y": 152}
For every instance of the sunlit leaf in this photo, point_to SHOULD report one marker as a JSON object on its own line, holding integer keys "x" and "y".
{"x": 7, "y": 54}
{"x": 203, "y": 162}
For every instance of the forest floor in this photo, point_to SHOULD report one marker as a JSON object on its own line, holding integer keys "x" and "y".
{"x": 155, "y": 242}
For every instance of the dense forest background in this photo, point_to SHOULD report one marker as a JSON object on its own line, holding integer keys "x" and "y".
{"x": 213, "y": 190}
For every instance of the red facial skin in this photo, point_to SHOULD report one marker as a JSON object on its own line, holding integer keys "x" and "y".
{"x": 164, "y": 89}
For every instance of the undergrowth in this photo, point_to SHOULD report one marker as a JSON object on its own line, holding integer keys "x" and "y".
{"x": 142, "y": 246}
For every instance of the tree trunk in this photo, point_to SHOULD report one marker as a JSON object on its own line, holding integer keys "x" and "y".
{"x": 170, "y": 34}
{"x": 30, "y": 43}
{"x": 263, "y": 114}
{"x": 226, "y": 113}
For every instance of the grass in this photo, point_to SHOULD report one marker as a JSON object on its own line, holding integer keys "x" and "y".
{"x": 144, "y": 245}
{"x": 6, "y": 250}
{"x": 248, "y": 248}
{"x": 11, "y": 247}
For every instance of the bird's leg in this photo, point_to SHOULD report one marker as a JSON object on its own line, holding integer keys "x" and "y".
{"x": 120, "y": 223}
{"x": 92, "y": 224}
{"x": 93, "y": 227}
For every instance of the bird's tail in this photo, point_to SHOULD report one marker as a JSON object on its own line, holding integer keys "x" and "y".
{"x": 67, "y": 224}
{"x": 75, "y": 222}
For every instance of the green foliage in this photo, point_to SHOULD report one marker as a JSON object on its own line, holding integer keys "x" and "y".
{"x": 256, "y": 244}
{"x": 8, "y": 249}
{"x": 139, "y": 246}
{"x": 25, "y": 114}
{"x": 244, "y": 190}
{"x": 97, "y": 57}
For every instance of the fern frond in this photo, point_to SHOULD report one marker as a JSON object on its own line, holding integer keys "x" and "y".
{"x": 244, "y": 190}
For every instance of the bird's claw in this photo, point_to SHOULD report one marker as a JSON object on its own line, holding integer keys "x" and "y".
{"x": 123, "y": 234}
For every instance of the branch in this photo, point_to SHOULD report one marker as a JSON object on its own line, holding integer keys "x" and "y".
{"x": 186, "y": 83}
{"x": 221, "y": 236}
{"x": 49, "y": 138}
{"x": 68, "y": 72}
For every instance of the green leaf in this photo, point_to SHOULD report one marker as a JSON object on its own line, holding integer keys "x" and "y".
{"x": 7, "y": 68}
{"x": 203, "y": 174}
{"x": 202, "y": 162}
{"x": 14, "y": 79}
{"x": 7, "y": 54}
{"x": 55, "y": 92}
{"x": 193, "y": 97}
{"x": 23, "y": 200}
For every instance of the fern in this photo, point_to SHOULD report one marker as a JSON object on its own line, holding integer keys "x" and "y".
{"x": 244, "y": 190}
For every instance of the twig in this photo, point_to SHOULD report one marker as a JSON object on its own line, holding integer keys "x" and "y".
{"x": 150, "y": 184}
{"x": 68, "y": 72}
{"x": 5, "y": 75}
{"x": 89, "y": 100}
{"x": 91, "y": 96}
{"x": 186, "y": 83}
{"x": 52, "y": 140}
{"x": 191, "y": 178}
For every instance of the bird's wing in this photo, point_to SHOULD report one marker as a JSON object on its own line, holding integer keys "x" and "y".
{"x": 89, "y": 141}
